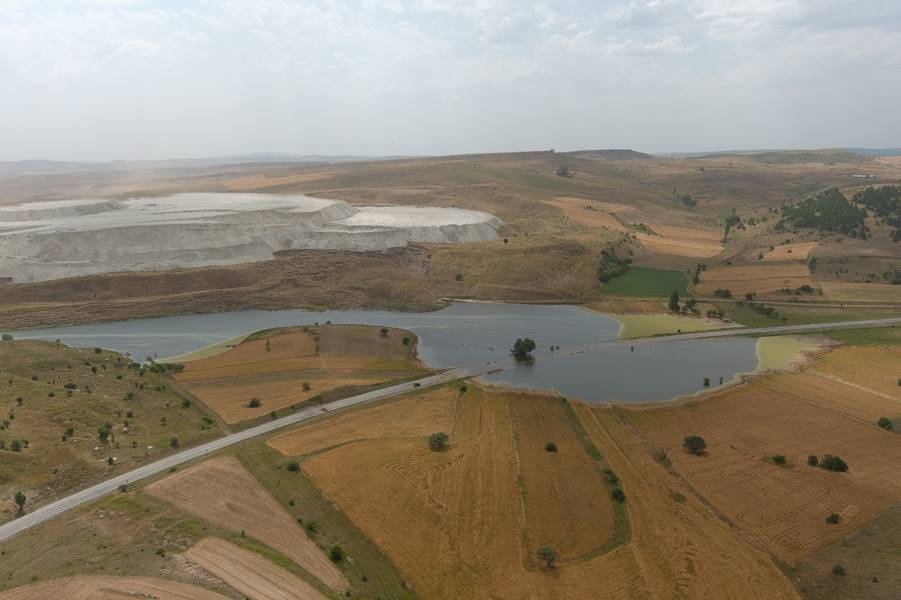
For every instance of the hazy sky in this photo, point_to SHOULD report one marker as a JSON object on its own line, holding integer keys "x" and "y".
{"x": 131, "y": 79}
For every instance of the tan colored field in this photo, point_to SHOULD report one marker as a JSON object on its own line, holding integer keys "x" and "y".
{"x": 627, "y": 305}
{"x": 250, "y": 573}
{"x": 109, "y": 588}
{"x": 680, "y": 548}
{"x": 262, "y": 181}
{"x": 457, "y": 524}
{"x": 849, "y": 291}
{"x": 881, "y": 366}
{"x": 589, "y": 213}
{"x": 222, "y": 492}
{"x": 783, "y": 508}
{"x": 799, "y": 251}
{"x": 566, "y": 504}
{"x": 410, "y": 416}
{"x": 273, "y": 367}
{"x": 682, "y": 241}
{"x": 759, "y": 279}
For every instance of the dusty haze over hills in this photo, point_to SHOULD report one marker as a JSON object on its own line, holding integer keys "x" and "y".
{"x": 149, "y": 79}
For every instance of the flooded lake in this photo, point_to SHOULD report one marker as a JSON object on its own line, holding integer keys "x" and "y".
{"x": 471, "y": 334}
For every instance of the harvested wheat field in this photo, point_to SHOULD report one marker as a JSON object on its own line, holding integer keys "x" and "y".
{"x": 850, "y": 291}
{"x": 457, "y": 523}
{"x": 783, "y": 508}
{"x": 250, "y": 573}
{"x": 680, "y": 547}
{"x": 799, "y": 251}
{"x": 411, "y": 416}
{"x": 286, "y": 367}
{"x": 589, "y": 213}
{"x": 109, "y": 588}
{"x": 681, "y": 241}
{"x": 873, "y": 368}
{"x": 757, "y": 279}
{"x": 222, "y": 492}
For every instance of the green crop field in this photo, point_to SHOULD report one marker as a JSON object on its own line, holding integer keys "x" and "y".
{"x": 643, "y": 281}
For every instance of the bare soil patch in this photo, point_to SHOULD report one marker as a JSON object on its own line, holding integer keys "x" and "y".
{"x": 250, "y": 573}
{"x": 103, "y": 587}
{"x": 787, "y": 252}
{"x": 222, "y": 492}
{"x": 262, "y": 181}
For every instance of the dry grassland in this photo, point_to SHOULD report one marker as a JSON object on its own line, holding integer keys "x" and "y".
{"x": 223, "y": 493}
{"x": 410, "y": 416}
{"x": 103, "y": 587}
{"x": 798, "y": 251}
{"x": 627, "y": 305}
{"x": 759, "y": 279}
{"x": 848, "y": 291}
{"x": 249, "y": 573}
{"x": 262, "y": 181}
{"x": 273, "y": 367}
{"x": 783, "y": 508}
{"x": 590, "y": 213}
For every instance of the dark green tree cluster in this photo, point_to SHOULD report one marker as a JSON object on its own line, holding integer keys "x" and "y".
{"x": 612, "y": 265}
{"x": 885, "y": 202}
{"x": 826, "y": 211}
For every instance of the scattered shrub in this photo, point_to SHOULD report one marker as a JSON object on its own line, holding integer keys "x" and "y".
{"x": 550, "y": 447}
{"x": 833, "y": 519}
{"x": 438, "y": 441}
{"x": 885, "y": 423}
{"x": 694, "y": 444}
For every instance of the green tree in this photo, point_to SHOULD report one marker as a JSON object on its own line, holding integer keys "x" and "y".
{"x": 336, "y": 553}
{"x": 438, "y": 441}
{"x": 550, "y": 447}
{"x": 522, "y": 348}
{"x": 548, "y": 554}
{"x": 173, "y": 441}
{"x": 674, "y": 301}
{"x": 20, "y": 500}
{"x": 812, "y": 460}
{"x": 254, "y": 403}
{"x": 694, "y": 444}
{"x": 885, "y": 423}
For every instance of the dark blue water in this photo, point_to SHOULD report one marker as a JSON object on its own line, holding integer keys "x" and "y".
{"x": 473, "y": 334}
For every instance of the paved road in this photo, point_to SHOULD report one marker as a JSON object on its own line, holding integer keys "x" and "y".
{"x": 101, "y": 489}
{"x": 777, "y": 329}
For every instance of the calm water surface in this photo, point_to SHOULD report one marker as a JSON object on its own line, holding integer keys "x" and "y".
{"x": 473, "y": 334}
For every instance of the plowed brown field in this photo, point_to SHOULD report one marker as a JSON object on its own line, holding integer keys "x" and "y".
{"x": 250, "y": 573}
{"x": 222, "y": 492}
{"x": 273, "y": 368}
{"x": 799, "y": 251}
{"x": 411, "y": 416}
{"x": 109, "y": 588}
{"x": 758, "y": 279}
{"x": 784, "y": 508}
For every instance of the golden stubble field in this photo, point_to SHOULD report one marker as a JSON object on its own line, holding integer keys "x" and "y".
{"x": 467, "y": 521}
{"x": 101, "y": 587}
{"x": 287, "y": 367}
{"x": 830, "y": 408}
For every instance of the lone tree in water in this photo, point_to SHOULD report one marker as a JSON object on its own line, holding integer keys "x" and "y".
{"x": 548, "y": 554}
{"x": 522, "y": 348}
{"x": 674, "y": 301}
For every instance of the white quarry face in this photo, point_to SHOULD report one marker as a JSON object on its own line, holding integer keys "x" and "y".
{"x": 40, "y": 241}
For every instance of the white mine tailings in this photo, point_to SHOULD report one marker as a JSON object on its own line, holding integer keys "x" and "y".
{"x": 40, "y": 241}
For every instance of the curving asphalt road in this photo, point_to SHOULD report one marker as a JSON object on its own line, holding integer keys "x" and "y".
{"x": 94, "y": 492}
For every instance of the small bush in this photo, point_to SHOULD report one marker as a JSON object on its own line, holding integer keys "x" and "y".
{"x": 293, "y": 466}
{"x": 834, "y": 463}
{"x": 173, "y": 441}
{"x": 618, "y": 495}
{"x": 694, "y": 444}
{"x": 336, "y": 553}
{"x": 812, "y": 460}
{"x": 254, "y": 403}
{"x": 550, "y": 447}
{"x": 406, "y": 341}
{"x": 838, "y": 570}
{"x": 438, "y": 441}
{"x": 611, "y": 477}
{"x": 885, "y": 423}
{"x": 384, "y": 332}
{"x": 833, "y": 518}
{"x": 779, "y": 459}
